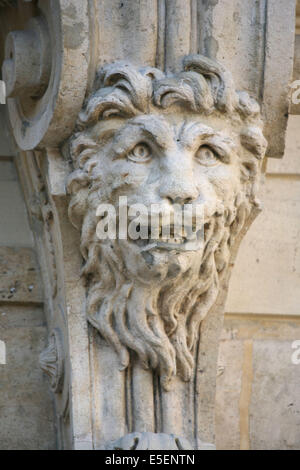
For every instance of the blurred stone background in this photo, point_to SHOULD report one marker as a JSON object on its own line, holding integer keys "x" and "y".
{"x": 26, "y": 407}
{"x": 258, "y": 400}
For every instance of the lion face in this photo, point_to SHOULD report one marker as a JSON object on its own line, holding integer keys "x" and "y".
{"x": 156, "y": 159}
{"x": 168, "y": 141}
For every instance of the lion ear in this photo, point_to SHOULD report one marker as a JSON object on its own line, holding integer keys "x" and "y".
{"x": 253, "y": 140}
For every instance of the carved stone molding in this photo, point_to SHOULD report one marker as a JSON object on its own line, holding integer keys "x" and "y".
{"x": 52, "y": 361}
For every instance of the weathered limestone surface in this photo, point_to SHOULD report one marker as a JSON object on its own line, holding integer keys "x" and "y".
{"x": 229, "y": 383}
{"x": 276, "y": 419}
{"x": 257, "y": 392}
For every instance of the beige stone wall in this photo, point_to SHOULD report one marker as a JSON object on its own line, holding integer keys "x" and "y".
{"x": 258, "y": 401}
{"x": 26, "y": 405}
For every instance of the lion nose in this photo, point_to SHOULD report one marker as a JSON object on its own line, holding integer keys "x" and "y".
{"x": 179, "y": 188}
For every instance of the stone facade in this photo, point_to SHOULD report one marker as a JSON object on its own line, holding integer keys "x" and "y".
{"x": 156, "y": 101}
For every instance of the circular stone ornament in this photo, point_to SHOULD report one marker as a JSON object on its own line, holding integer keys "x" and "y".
{"x": 45, "y": 71}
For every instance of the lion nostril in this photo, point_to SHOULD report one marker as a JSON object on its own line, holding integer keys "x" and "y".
{"x": 179, "y": 200}
{"x": 183, "y": 200}
{"x": 178, "y": 193}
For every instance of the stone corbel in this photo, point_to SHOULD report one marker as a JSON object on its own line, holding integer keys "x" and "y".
{"x": 75, "y": 67}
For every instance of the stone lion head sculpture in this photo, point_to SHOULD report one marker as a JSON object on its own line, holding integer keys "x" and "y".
{"x": 181, "y": 138}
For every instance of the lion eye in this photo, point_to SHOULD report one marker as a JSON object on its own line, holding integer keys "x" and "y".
{"x": 206, "y": 156}
{"x": 141, "y": 153}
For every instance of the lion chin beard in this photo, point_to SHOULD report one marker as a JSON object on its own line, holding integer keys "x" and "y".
{"x": 152, "y": 302}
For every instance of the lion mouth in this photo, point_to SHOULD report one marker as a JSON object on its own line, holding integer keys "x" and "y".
{"x": 190, "y": 241}
{"x": 187, "y": 245}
